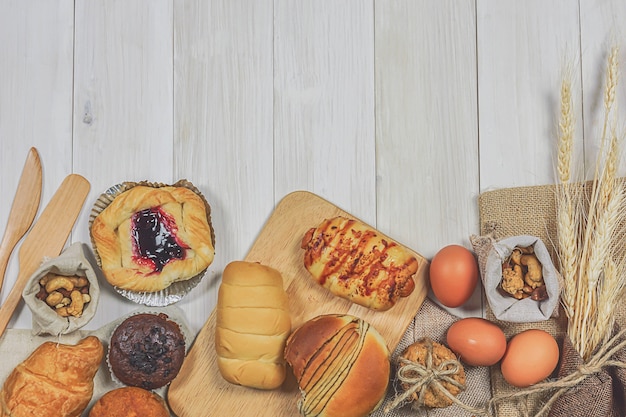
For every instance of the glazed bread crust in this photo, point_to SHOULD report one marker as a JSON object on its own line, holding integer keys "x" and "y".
{"x": 129, "y": 402}
{"x": 357, "y": 263}
{"x": 341, "y": 364}
{"x": 55, "y": 380}
{"x": 252, "y": 325}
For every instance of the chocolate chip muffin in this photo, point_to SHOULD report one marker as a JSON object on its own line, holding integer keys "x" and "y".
{"x": 146, "y": 350}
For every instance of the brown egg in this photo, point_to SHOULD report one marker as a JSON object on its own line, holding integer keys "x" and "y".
{"x": 453, "y": 275}
{"x": 531, "y": 356}
{"x": 478, "y": 342}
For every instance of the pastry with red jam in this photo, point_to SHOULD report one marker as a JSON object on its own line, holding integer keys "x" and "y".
{"x": 148, "y": 238}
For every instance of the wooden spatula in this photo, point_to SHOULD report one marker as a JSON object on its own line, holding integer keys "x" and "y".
{"x": 23, "y": 210}
{"x": 46, "y": 238}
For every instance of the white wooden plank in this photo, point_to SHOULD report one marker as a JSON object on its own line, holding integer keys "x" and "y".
{"x": 426, "y": 125}
{"x": 123, "y": 101}
{"x": 523, "y": 49}
{"x": 324, "y": 102}
{"x": 601, "y": 29}
{"x": 224, "y": 125}
{"x": 36, "y": 44}
{"x": 426, "y": 115}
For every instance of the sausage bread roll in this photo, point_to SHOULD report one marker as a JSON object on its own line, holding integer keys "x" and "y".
{"x": 356, "y": 262}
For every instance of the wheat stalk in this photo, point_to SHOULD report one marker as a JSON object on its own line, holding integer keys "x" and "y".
{"x": 566, "y": 132}
{"x": 566, "y": 222}
{"x": 587, "y": 226}
{"x": 610, "y": 291}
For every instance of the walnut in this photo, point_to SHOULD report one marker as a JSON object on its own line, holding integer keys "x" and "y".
{"x": 522, "y": 275}
{"x": 513, "y": 281}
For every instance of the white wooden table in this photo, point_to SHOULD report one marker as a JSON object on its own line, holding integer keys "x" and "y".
{"x": 399, "y": 112}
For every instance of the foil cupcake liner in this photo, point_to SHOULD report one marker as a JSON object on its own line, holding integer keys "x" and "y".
{"x": 184, "y": 329}
{"x": 177, "y": 290}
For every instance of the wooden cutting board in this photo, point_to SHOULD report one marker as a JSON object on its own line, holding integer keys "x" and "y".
{"x": 199, "y": 389}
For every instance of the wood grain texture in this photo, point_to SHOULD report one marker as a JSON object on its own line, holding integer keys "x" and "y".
{"x": 199, "y": 386}
{"x": 530, "y": 44}
{"x": 23, "y": 208}
{"x": 36, "y": 66}
{"x": 223, "y": 123}
{"x": 324, "y": 102}
{"x": 601, "y": 29}
{"x": 47, "y": 238}
{"x": 123, "y": 101}
{"x": 426, "y": 130}
{"x": 426, "y": 125}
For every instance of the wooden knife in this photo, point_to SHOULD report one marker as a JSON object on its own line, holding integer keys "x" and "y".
{"x": 23, "y": 210}
{"x": 46, "y": 238}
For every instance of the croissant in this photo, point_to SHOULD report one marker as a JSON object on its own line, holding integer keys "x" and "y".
{"x": 56, "y": 380}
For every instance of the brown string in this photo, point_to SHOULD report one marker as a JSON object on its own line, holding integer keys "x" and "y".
{"x": 418, "y": 377}
{"x": 600, "y": 360}
{"x": 429, "y": 375}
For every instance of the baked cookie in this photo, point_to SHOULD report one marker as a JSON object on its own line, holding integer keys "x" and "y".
{"x": 150, "y": 237}
{"x": 418, "y": 353}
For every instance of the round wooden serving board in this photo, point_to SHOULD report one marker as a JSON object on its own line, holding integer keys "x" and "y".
{"x": 199, "y": 389}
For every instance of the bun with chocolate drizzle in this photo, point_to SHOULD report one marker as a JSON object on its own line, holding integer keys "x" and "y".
{"x": 341, "y": 364}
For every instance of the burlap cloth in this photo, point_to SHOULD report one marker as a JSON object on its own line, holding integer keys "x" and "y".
{"x": 432, "y": 321}
{"x": 504, "y": 213}
{"x": 532, "y": 210}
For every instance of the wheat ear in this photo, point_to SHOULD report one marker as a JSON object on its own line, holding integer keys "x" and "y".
{"x": 566, "y": 222}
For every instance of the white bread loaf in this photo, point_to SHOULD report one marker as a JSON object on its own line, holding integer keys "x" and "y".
{"x": 341, "y": 364}
{"x": 252, "y": 325}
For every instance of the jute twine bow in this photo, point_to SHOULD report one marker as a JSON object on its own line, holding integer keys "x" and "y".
{"x": 418, "y": 377}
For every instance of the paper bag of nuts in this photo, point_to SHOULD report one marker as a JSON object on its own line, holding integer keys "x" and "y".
{"x": 63, "y": 293}
{"x": 521, "y": 283}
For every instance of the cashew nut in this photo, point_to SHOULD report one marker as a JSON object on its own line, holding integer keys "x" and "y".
{"x": 534, "y": 276}
{"x": 77, "y": 305}
{"x": 44, "y": 280}
{"x": 59, "y": 282}
{"x": 54, "y": 298}
{"x": 516, "y": 256}
{"x": 79, "y": 282}
{"x": 57, "y": 287}
{"x": 64, "y": 303}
